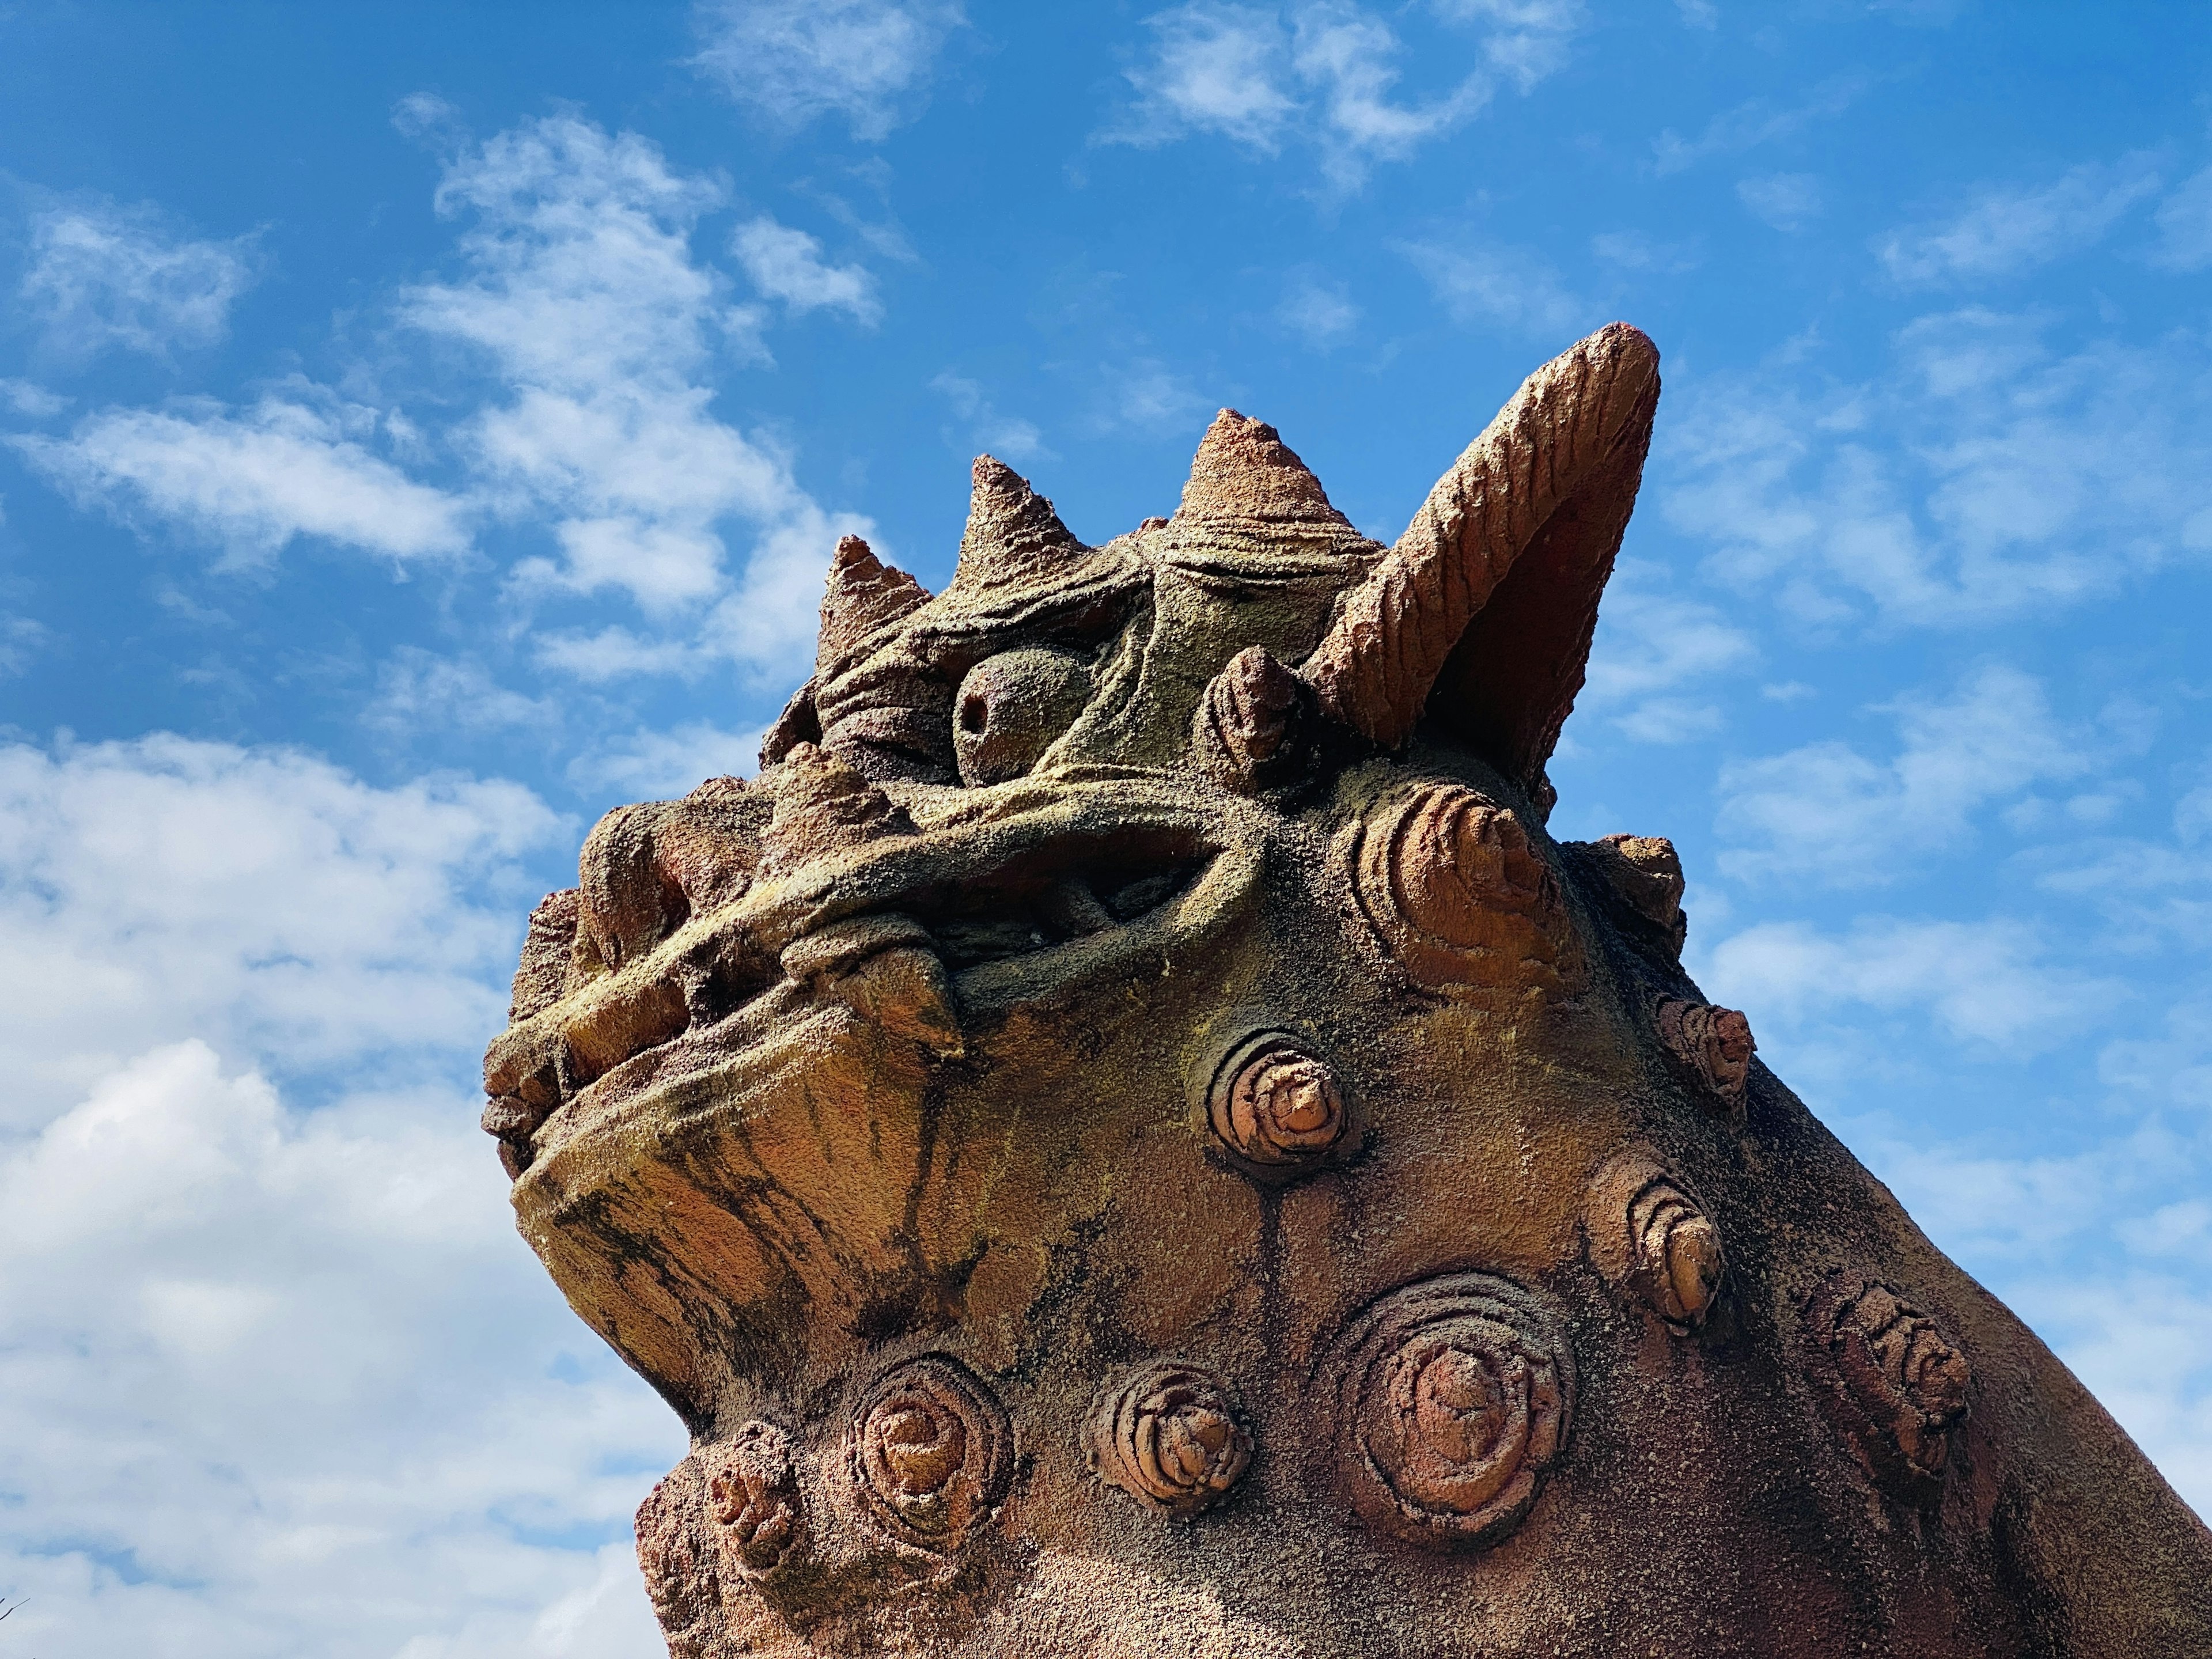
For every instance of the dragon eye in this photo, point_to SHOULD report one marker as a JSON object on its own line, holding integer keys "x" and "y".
{"x": 1011, "y": 708}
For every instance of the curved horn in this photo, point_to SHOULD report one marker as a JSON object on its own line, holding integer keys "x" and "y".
{"x": 1554, "y": 473}
{"x": 1012, "y": 533}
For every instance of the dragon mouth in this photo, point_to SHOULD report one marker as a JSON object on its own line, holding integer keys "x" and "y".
{"x": 935, "y": 936}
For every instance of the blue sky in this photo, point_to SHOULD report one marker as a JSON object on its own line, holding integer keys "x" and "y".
{"x": 423, "y": 428}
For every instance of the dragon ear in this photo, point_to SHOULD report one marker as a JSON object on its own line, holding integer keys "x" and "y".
{"x": 1481, "y": 617}
{"x": 1245, "y": 474}
{"x": 1014, "y": 536}
{"x": 862, "y": 594}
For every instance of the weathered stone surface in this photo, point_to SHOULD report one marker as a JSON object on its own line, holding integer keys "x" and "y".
{"x": 1130, "y": 1139}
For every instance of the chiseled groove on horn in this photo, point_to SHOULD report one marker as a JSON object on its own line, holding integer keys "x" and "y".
{"x": 1391, "y": 635}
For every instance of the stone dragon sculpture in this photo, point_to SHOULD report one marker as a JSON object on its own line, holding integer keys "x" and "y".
{"x": 1128, "y": 1138}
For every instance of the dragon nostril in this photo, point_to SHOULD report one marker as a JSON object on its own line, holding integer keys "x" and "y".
{"x": 974, "y": 714}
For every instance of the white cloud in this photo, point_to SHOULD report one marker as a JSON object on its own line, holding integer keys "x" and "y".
{"x": 1788, "y": 201}
{"x": 1324, "y": 72}
{"x": 582, "y": 289}
{"x": 1988, "y": 477}
{"x": 1990, "y": 983}
{"x": 105, "y": 275}
{"x": 795, "y": 60}
{"x": 1149, "y": 396}
{"x": 417, "y": 692}
{"x": 983, "y": 426}
{"x": 1827, "y": 813}
{"x": 787, "y": 264}
{"x": 1505, "y": 287}
{"x": 252, "y": 480}
{"x": 2185, "y": 225}
{"x": 650, "y": 765}
{"x": 35, "y": 402}
{"x": 2012, "y": 229}
{"x": 1651, "y": 647}
{"x": 1698, "y": 14}
{"x": 163, "y": 889}
{"x": 20, "y": 639}
{"x": 278, "y": 1377}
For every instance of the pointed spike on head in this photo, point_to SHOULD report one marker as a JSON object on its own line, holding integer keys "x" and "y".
{"x": 1244, "y": 471}
{"x": 862, "y": 594}
{"x": 1012, "y": 533}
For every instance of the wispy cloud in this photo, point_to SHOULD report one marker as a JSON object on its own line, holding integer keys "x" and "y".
{"x": 2013, "y": 228}
{"x": 787, "y": 264}
{"x": 1759, "y": 121}
{"x": 1633, "y": 250}
{"x": 1828, "y": 814}
{"x": 1510, "y": 289}
{"x": 1325, "y": 72}
{"x": 2185, "y": 225}
{"x": 1995, "y": 984}
{"x": 103, "y": 275}
{"x": 250, "y": 481}
{"x": 582, "y": 289}
{"x": 1788, "y": 201}
{"x": 795, "y": 61}
{"x": 1317, "y": 310}
{"x": 982, "y": 426}
{"x": 657, "y": 764}
{"x": 1654, "y": 657}
{"x": 1987, "y": 475}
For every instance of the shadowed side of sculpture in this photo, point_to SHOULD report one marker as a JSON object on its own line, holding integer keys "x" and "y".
{"x": 1130, "y": 1138}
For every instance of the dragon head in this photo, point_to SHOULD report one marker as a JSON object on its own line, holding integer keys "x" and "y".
{"x": 1127, "y": 1136}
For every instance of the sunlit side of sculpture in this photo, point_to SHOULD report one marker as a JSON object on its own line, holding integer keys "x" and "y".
{"x": 1128, "y": 1138}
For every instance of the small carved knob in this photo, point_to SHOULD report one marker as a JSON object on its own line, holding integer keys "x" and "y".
{"x": 1246, "y": 732}
{"x": 752, "y": 1496}
{"x": 1455, "y": 1395}
{"x": 676, "y": 1560}
{"x": 1713, "y": 1045}
{"x": 1652, "y": 1240}
{"x": 1274, "y": 1102}
{"x": 1169, "y": 1435}
{"x": 932, "y": 1451}
{"x": 1454, "y": 891}
{"x": 1890, "y": 1382}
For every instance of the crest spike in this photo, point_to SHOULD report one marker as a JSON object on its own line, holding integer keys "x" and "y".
{"x": 862, "y": 595}
{"x": 1014, "y": 536}
{"x": 1244, "y": 472}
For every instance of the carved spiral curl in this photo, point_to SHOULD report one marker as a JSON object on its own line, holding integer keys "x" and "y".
{"x": 1892, "y": 1383}
{"x": 1274, "y": 1102}
{"x": 1454, "y": 1397}
{"x": 752, "y": 1496}
{"x": 931, "y": 1453}
{"x": 1652, "y": 1240}
{"x": 1451, "y": 885}
{"x": 1713, "y": 1045}
{"x": 1171, "y": 1435}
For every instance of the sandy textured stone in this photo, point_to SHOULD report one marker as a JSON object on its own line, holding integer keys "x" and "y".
{"x": 1130, "y": 1139}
